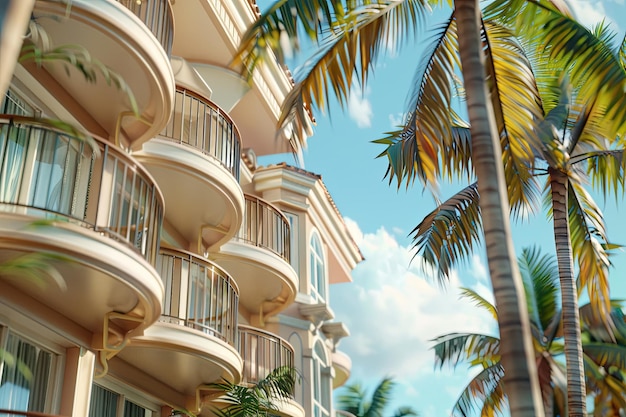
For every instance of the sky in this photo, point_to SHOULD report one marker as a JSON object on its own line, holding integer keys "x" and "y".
{"x": 391, "y": 308}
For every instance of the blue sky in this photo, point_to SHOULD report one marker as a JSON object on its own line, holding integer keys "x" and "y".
{"x": 391, "y": 309}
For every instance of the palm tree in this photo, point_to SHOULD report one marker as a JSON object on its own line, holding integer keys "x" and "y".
{"x": 354, "y": 400}
{"x": 567, "y": 134}
{"x": 255, "y": 400}
{"x": 605, "y": 360}
{"x": 351, "y": 36}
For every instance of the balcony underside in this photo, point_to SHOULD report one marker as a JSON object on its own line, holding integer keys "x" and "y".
{"x": 256, "y": 112}
{"x": 267, "y": 283}
{"x": 92, "y": 275}
{"x": 182, "y": 358}
{"x": 117, "y": 39}
{"x": 342, "y": 366}
{"x": 201, "y": 196}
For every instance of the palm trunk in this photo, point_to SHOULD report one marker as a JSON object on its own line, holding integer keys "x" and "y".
{"x": 576, "y": 397}
{"x": 520, "y": 373}
{"x": 14, "y": 18}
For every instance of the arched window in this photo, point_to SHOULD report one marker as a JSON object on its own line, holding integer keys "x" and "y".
{"x": 317, "y": 269}
{"x": 296, "y": 343}
{"x": 321, "y": 382}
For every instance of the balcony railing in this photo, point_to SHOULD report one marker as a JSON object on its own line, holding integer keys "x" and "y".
{"x": 158, "y": 17}
{"x": 199, "y": 295}
{"x": 14, "y": 413}
{"x": 265, "y": 226}
{"x": 51, "y": 173}
{"x": 262, "y": 352}
{"x": 199, "y": 123}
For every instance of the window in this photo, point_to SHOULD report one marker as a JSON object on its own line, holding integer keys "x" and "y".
{"x": 321, "y": 382}
{"x": 14, "y": 104}
{"x": 293, "y": 241}
{"x": 317, "y": 269}
{"x": 107, "y": 403}
{"x": 26, "y": 371}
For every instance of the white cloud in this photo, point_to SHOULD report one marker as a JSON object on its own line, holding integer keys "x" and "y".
{"x": 359, "y": 107}
{"x": 396, "y": 120}
{"x": 590, "y": 12}
{"x": 393, "y": 311}
{"x": 478, "y": 269}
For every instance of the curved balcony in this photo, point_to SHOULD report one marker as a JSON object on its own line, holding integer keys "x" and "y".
{"x": 195, "y": 340}
{"x": 196, "y": 159}
{"x": 342, "y": 364}
{"x": 258, "y": 258}
{"x": 262, "y": 352}
{"x": 89, "y": 211}
{"x": 157, "y": 15}
{"x": 132, "y": 40}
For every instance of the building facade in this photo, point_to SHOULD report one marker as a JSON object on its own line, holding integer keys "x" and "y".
{"x": 144, "y": 253}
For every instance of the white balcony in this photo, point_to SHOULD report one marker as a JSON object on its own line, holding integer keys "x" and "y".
{"x": 90, "y": 214}
{"x": 258, "y": 259}
{"x": 133, "y": 40}
{"x": 195, "y": 341}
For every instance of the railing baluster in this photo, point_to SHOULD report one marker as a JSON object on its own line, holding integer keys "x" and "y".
{"x": 23, "y": 170}
{"x": 210, "y": 129}
{"x": 158, "y": 17}
{"x": 208, "y": 293}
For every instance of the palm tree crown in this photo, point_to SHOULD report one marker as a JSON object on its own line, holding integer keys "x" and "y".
{"x": 354, "y": 400}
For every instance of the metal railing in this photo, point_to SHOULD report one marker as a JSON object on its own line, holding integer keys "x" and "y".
{"x": 157, "y": 16}
{"x": 199, "y": 123}
{"x": 262, "y": 352}
{"x": 199, "y": 294}
{"x": 14, "y": 413}
{"x": 265, "y": 226}
{"x": 50, "y": 173}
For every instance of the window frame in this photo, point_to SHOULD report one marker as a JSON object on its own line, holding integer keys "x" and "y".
{"x": 127, "y": 394}
{"x": 57, "y": 361}
{"x": 317, "y": 269}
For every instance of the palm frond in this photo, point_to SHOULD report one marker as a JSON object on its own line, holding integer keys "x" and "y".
{"x": 428, "y": 132}
{"x": 448, "y": 234}
{"x": 484, "y": 394}
{"x": 588, "y": 234}
{"x": 404, "y": 412}
{"x": 380, "y": 398}
{"x": 352, "y": 399}
{"x": 595, "y": 326}
{"x": 513, "y": 89}
{"x": 606, "y": 355}
{"x": 37, "y": 268}
{"x": 349, "y": 37}
{"x": 540, "y": 275}
{"x": 471, "y": 348}
{"x": 40, "y": 50}
{"x": 606, "y": 168}
{"x": 479, "y": 301}
{"x": 258, "y": 400}
{"x": 591, "y": 63}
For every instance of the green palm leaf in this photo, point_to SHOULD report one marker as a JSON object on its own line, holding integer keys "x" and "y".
{"x": 479, "y": 301}
{"x": 483, "y": 393}
{"x": 591, "y": 63}
{"x": 514, "y": 88}
{"x": 350, "y": 37}
{"x": 476, "y": 349}
{"x": 427, "y": 134}
{"x": 540, "y": 275}
{"x": 588, "y": 233}
{"x": 449, "y": 233}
